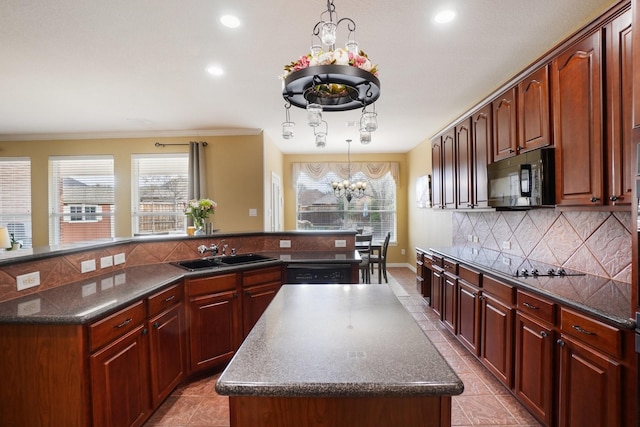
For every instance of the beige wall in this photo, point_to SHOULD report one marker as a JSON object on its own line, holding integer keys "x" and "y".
{"x": 394, "y": 255}
{"x": 235, "y": 175}
{"x": 429, "y": 227}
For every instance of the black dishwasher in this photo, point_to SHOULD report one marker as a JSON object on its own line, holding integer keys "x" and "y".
{"x": 318, "y": 273}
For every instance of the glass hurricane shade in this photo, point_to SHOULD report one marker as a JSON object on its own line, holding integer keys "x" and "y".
{"x": 369, "y": 121}
{"x": 351, "y": 46}
{"x": 328, "y": 34}
{"x": 5, "y": 240}
{"x": 365, "y": 137}
{"x": 321, "y": 140}
{"x": 316, "y": 49}
{"x": 287, "y": 130}
{"x": 314, "y": 115}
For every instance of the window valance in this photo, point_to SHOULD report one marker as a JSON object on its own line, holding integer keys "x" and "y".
{"x": 373, "y": 170}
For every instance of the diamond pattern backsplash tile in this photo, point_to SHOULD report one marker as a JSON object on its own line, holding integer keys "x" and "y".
{"x": 597, "y": 243}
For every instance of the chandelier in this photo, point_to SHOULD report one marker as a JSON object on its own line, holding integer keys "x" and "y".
{"x": 347, "y": 188}
{"x": 331, "y": 79}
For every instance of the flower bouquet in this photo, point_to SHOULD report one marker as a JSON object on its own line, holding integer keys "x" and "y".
{"x": 199, "y": 210}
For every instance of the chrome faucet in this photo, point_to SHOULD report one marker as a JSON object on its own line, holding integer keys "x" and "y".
{"x": 213, "y": 248}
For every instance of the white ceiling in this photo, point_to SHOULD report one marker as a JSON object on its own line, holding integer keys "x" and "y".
{"x": 88, "y": 68}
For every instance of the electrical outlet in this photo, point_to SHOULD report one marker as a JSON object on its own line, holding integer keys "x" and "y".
{"x": 506, "y": 245}
{"x": 403, "y": 252}
{"x": 29, "y": 280}
{"x": 118, "y": 259}
{"x": 285, "y": 243}
{"x": 476, "y": 239}
{"x": 106, "y": 261}
{"x": 506, "y": 261}
{"x": 88, "y": 265}
{"x": 253, "y": 212}
{"x": 341, "y": 243}
{"x": 470, "y": 238}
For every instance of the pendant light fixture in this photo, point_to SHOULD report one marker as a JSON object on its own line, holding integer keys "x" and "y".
{"x": 347, "y": 188}
{"x": 332, "y": 79}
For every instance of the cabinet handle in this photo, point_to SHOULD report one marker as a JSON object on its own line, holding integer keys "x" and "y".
{"x": 156, "y": 325}
{"x": 531, "y": 306}
{"x": 511, "y": 150}
{"x": 123, "y": 324}
{"x": 235, "y": 295}
{"x": 544, "y": 334}
{"x": 595, "y": 199}
{"x": 145, "y": 331}
{"x": 582, "y": 330}
{"x": 247, "y": 293}
{"x": 475, "y": 294}
{"x": 169, "y": 298}
{"x": 560, "y": 343}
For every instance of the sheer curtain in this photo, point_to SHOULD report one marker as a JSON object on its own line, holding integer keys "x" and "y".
{"x": 371, "y": 170}
{"x": 197, "y": 170}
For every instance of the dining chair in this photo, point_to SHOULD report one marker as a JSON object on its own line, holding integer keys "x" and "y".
{"x": 363, "y": 245}
{"x": 380, "y": 260}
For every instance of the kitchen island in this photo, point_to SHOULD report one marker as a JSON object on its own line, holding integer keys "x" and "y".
{"x": 336, "y": 355}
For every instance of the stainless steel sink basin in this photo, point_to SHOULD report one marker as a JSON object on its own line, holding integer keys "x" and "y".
{"x": 203, "y": 263}
{"x": 244, "y": 259}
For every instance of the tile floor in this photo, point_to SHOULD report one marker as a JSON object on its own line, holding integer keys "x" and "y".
{"x": 485, "y": 402}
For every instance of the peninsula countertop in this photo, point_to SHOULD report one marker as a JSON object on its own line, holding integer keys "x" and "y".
{"x": 337, "y": 341}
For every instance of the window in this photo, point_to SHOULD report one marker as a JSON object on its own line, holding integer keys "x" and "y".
{"x": 15, "y": 198}
{"x": 318, "y": 208}
{"x": 81, "y": 199}
{"x": 159, "y": 193}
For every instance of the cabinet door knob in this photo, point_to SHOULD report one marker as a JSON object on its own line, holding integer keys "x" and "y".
{"x": 544, "y": 334}
{"x": 156, "y": 325}
{"x": 560, "y": 343}
{"x": 613, "y": 198}
{"x": 145, "y": 331}
{"x": 595, "y": 199}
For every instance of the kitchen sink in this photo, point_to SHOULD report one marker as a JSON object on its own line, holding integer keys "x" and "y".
{"x": 203, "y": 263}
{"x": 243, "y": 259}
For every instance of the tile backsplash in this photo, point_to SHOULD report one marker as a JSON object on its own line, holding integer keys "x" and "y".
{"x": 597, "y": 243}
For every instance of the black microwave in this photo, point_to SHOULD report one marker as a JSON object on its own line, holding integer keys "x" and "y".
{"x": 523, "y": 181}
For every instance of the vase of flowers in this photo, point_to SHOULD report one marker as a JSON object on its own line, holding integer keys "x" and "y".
{"x": 199, "y": 210}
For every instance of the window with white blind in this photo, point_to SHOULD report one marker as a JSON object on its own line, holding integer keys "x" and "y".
{"x": 159, "y": 193}
{"x": 15, "y": 198}
{"x": 81, "y": 198}
{"x": 318, "y": 208}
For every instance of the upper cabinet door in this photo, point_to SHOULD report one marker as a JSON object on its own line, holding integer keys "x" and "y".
{"x": 464, "y": 165}
{"x": 635, "y": 7}
{"x": 505, "y": 142}
{"x": 436, "y": 173}
{"x": 533, "y": 111}
{"x": 577, "y": 123}
{"x": 619, "y": 88}
{"x": 449, "y": 169}
{"x": 481, "y": 135}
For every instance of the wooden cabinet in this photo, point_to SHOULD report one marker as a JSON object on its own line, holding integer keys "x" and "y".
{"x": 437, "y": 283}
{"x": 533, "y": 111}
{"x": 635, "y": 11}
{"x": 259, "y": 287}
{"x": 120, "y": 368}
{"x": 468, "y": 300}
{"x": 464, "y": 165}
{"x": 450, "y": 295}
{"x": 449, "y": 169}
{"x": 213, "y": 318}
{"x": 591, "y": 373}
{"x": 577, "y": 123}
{"x": 481, "y": 134}
{"x": 618, "y": 125}
{"x": 534, "y": 355}
{"x": 505, "y": 136}
{"x": 423, "y": 273}
{"x": 496, "y": 330}
{"x": 437, "y": 174}
{"x": 167, "y": 333}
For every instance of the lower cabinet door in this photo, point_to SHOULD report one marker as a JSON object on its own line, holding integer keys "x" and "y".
{"x": 469, "y": 316}
{"x": 167, "y": 352}
{"x": 437, "y": 279}
{"x": 590, "y": 387}
{"x": 497, "y": 339}
{"x": 256, "y": 300}
{"x": 533, "y": 378}
{"x": 120, "y": 381}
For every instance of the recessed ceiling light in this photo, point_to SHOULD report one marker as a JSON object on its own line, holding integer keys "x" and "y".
{"x": 445, "y": 16}
{"x": 230, "y": 21}
{"x": 215, "y": 70}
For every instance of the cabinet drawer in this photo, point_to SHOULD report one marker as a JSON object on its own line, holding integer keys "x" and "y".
{"x": 536, "y": 307}
{"x": 437, "y": 260}
{"x": 469, "y": 275}
{"x": 427, "y": 261}
{"x": 211, "y": 285}
{"x": 450, "y": 266}
{"x": 592, "y": 332}
{"x": 501, "y": 291}
{"x": 166, "y": 298}
{"x": 260, "y": 276}
{"x": 116, "y": 325}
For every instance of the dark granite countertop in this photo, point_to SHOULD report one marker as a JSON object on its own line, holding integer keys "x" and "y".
{"x": 87, "y": 300}
{"x": 602, "y": 298}
{"x": 337, "y": 340}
